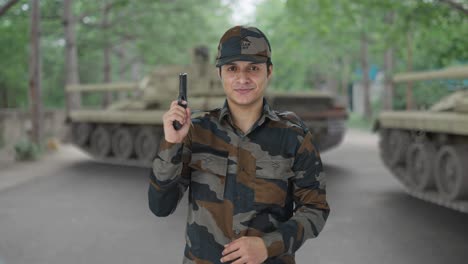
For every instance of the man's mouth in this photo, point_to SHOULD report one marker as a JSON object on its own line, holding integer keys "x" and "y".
{"x": 243, "y": 90}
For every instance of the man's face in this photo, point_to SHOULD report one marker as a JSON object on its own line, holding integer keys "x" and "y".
{"x": 244, "y": 82}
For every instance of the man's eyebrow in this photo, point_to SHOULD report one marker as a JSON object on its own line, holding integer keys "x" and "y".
{"x": 250, "y": 63}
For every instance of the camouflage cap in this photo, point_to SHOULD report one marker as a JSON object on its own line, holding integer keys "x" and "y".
{"x": 244, "y": 44}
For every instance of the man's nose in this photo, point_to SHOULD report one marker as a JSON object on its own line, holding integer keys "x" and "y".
{"x": 243, "y": 77}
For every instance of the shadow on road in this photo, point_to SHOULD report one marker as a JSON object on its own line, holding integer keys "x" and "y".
{"x": 93, "y": 168}
{"x": 411, "y": 207}
{"x": 334, "y": 171}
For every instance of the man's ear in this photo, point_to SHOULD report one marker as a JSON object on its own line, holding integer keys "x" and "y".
{"x": 270, "y": 71}
{"x": 219, "y": 72}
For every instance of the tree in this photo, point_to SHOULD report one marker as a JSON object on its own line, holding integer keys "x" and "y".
{"x": 456, "y": 5}
{"x": 388, "y": 66}
{"x": 35, "y": 74}
{"x": 73, "y": 100}
{"x": 6, "y": 6}
{"x": 320, "y": 35}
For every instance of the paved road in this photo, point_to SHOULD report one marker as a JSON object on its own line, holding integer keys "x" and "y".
{"x": 70, "y": 209}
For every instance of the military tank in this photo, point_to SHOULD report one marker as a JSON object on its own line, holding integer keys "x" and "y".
{"x": 128, "y": 131}
{"x": 427, "y": 151}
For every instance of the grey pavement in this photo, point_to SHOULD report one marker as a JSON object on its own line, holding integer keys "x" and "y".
{"x": 70, "y": 209}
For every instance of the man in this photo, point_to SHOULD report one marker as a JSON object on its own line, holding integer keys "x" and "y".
{"x": 257, "y": 190}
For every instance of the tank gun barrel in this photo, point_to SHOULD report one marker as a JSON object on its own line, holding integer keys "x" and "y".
{"x": 458, "y": 72}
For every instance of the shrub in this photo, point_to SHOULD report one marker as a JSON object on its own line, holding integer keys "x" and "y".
{"x": 27, "y": 150}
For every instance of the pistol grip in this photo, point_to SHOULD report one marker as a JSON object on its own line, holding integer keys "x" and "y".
{"x": 176, "y": 124}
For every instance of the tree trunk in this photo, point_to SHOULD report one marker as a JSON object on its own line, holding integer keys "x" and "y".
{"x": 136, "y": 71}
{"x": 365, "y": 75}
{"x": 409, "y": 88}
{"x": 388, "y": 82}
{"x": 332, "y": 84}
{"x": 4, "y": 97}
{"x": 388, "y": 92}
{"x": 136, "y": 76}
{"x": 456, "y": 5}
{"x": 35, "y": 74}
{"x": 73, "y": 100}
{"x": 122, "y": 55}
{"x": 122, "y": 69}
{"x": 107, "y": 53}
{"x": 345, "y": 78}
{"x": 7, "y": 6}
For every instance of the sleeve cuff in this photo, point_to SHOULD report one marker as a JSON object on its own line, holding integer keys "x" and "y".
{"x": 168, "y": 164}
{"x": 170, "y": 152}
{"x": 274, "y": 243}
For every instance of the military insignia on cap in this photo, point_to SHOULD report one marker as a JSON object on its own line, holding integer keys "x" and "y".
{"x": 245, "y": 43}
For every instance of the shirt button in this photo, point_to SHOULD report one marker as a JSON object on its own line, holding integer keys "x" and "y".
{"x": 237, "y": 232}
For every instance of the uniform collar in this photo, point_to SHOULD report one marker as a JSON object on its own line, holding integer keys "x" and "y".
{"x": 266, "y": 112}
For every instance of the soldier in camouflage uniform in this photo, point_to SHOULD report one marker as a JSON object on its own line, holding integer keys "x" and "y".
{"x": 257, "y": 191}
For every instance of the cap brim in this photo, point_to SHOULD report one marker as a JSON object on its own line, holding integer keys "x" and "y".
{"x": 253, "y": 58}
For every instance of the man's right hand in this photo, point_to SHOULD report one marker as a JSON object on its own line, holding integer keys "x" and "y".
{"x": 176, "y": 112}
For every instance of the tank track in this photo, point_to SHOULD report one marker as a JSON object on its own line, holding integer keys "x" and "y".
{"x": 432, "y": 196}
{"x": 395, "y": 158}
{"x": 81, "y": 136}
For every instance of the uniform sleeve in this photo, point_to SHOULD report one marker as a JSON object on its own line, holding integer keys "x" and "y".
{"x": 311, "y": 208}
{"x": 169, "y": 177}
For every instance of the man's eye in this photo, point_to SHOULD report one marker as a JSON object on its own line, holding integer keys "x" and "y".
{"x": 254, "y": 68}
{"x": 231, "y": 68}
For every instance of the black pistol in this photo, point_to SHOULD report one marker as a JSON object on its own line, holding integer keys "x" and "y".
{"x": 182, "y": 96}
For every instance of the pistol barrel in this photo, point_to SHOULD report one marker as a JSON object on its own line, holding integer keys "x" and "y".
{"x": 182, "y": 87}
{"x": 182, "y": 96}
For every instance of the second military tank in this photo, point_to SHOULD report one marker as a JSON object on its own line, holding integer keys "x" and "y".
{"x": 428, "y": 150}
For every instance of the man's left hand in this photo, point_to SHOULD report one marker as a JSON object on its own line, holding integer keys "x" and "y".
{"x": 245, "y": 250}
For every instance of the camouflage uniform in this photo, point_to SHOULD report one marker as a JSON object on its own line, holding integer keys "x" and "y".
{"x": 267, "y": 183}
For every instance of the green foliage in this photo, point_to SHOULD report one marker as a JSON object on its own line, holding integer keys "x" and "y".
{"x": 14, "y": 60}
{"x": 312, "y": 40}
{"x": 154, "y": 32}
{"x": 149, "y": 32}
{"x": 27, "y": 150}
{"x": 425, "y": 94}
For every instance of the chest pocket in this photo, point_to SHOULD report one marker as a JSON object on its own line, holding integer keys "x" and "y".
{"x": 208, "y": 176}
{"x": 271, "y": 181}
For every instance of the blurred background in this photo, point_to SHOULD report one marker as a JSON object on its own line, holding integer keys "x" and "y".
{"x": 83, "y": 85}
